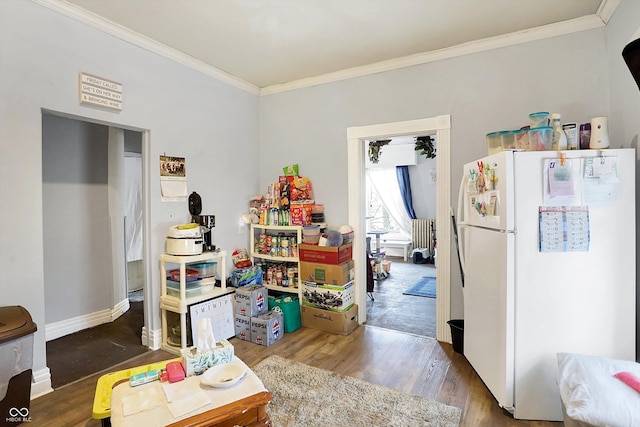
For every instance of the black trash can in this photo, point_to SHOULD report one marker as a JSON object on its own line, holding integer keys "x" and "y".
{"x": 457, "y": 334}
{"x": 16, "y": 364}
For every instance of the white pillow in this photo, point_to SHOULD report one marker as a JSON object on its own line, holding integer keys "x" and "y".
{"x": 591, "y": 394}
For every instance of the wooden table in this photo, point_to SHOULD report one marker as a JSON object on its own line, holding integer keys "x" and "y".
{"x": 243, "y": 404}
{"x": 250, "y": 411}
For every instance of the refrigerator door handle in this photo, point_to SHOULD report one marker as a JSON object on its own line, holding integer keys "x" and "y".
{"x": 461, "y": 224}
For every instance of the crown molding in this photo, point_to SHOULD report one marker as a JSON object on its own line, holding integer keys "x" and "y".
{"x": 606, "y": 9}
{"x": 524, "y": 36}
{"x": 123, "y": 33}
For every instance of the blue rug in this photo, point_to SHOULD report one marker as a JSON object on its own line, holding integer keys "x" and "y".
{"x": 425, "y": 287}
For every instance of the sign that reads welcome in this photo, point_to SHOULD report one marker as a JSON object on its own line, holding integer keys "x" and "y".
{"x": 100, "y": 92}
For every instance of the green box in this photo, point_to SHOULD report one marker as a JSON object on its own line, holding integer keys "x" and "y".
{"x": 290, "y": 311}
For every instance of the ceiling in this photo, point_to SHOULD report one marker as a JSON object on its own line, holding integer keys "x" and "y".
{"x": 269, "y": 43}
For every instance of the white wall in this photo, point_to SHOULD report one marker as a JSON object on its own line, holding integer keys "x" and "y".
{"x": 423, "y": 189}
{"x": 211, "y": 123}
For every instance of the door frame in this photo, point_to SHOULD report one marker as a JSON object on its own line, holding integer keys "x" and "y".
{"x": 440, "y": 126}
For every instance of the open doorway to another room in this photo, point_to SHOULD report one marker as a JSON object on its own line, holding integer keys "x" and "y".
{"x": 400, "y": 186}
{"x": 91, "y": 324}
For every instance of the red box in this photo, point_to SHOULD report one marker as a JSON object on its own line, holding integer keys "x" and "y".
{"x": 326, "y": 254}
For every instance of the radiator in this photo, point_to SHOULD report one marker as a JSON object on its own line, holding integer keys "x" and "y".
{"x": 423, "y": 233}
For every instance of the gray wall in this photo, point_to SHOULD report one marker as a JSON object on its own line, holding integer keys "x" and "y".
{"x": 217, "y": 126}
{"x": 190, "y": 114}
{"x": 624, "y": 105}
{"x": 580, "y": 75}
{"x": 76, "y": 233}
{"x": 483, "y": 92}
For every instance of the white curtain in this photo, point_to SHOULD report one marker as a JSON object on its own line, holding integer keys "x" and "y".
{"x": 384, "y": 182}
{"x": 133, "y": 207}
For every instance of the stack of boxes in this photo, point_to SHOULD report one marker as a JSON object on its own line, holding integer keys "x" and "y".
{"x": 253, "y": 321}
{"x": 328, "y": 288}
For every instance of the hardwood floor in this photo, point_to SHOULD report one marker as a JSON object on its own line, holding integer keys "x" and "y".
{"x": 402, "y": 361}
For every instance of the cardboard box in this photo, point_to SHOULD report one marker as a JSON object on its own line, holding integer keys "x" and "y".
{"x": 330, "y": 321}
{"x": 328, "y": 297}
{"x": 251, "y": 300}
{"x": 328, "y": 273}
{"x": 195, "y": 363}
{"x": 326, "y": 254}
{"x": 267, "y": 329}
{"x": 243, "y": 327}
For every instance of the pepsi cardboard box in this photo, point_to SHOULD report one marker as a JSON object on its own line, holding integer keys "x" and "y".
{"x": 330, "y": 321}
{"x": 251, "y": 300}
{"x": 267, "y": 328}
{"x": 243, "y": 327}
{"x": 328, "y": 297}
{"x": 328, "y": 273}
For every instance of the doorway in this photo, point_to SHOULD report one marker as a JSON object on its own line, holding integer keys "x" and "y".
{"x": 439, "y": 126}
{"x": 401, "y": 210}
{"x": 83, "y": 233}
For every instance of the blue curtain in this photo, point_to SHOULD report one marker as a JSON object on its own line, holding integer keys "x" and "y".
{"x": 405, "y": 189}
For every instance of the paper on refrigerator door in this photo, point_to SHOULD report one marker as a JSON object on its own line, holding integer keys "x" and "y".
{"x": 561, "y": 182}
{"x": 600, "y": 184}
{"x": 564, "y": 228}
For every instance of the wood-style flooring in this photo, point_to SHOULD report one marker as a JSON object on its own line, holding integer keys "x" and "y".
{"x": 406, "y": 362}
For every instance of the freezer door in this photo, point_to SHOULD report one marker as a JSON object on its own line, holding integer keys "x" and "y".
{"x": 486, "y": 192}
{"x": 488, "y": 309}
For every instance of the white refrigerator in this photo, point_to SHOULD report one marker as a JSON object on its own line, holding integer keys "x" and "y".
{"x": 548, "y": 253}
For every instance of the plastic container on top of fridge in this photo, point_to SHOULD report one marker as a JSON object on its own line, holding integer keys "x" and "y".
{"x": 540, "y": 138}
{"x": 507, "y": 140}
{"x": 494, "y": 142}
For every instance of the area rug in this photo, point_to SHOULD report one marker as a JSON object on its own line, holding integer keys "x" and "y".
{"x": 425, "y": 287}
{"x": 308, "y": 396}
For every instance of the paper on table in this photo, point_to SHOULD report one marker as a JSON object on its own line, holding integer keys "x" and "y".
{"x": 188, "y": 403}
{"x": 175, "y": 391}
{"x": 143, "y": 400}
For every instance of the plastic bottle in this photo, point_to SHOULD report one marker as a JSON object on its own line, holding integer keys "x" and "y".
{"x": 559, "y": 137}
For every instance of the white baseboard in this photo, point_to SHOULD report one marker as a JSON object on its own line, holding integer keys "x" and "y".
{"x": 75, "y": 324}
{"x": 41, "y": 384}
{"x": 152, "y": 339}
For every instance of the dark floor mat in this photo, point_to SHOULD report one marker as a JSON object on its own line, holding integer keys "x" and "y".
{"x": 92, "y": 350}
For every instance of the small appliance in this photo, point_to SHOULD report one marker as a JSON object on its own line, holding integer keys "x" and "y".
{"x": 206, "y": 222}
{"x": 184, "y": 239}
{"x": 599, "y": 133}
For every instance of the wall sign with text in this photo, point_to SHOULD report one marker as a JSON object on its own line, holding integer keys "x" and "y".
{"x": 100, "y": 92}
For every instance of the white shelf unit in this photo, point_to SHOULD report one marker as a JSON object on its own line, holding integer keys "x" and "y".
{"x": 275, "y": 230}
{"x": 180, "y": 305}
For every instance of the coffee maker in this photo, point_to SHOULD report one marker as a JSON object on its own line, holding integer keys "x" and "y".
{"x": 206, "y": 222}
